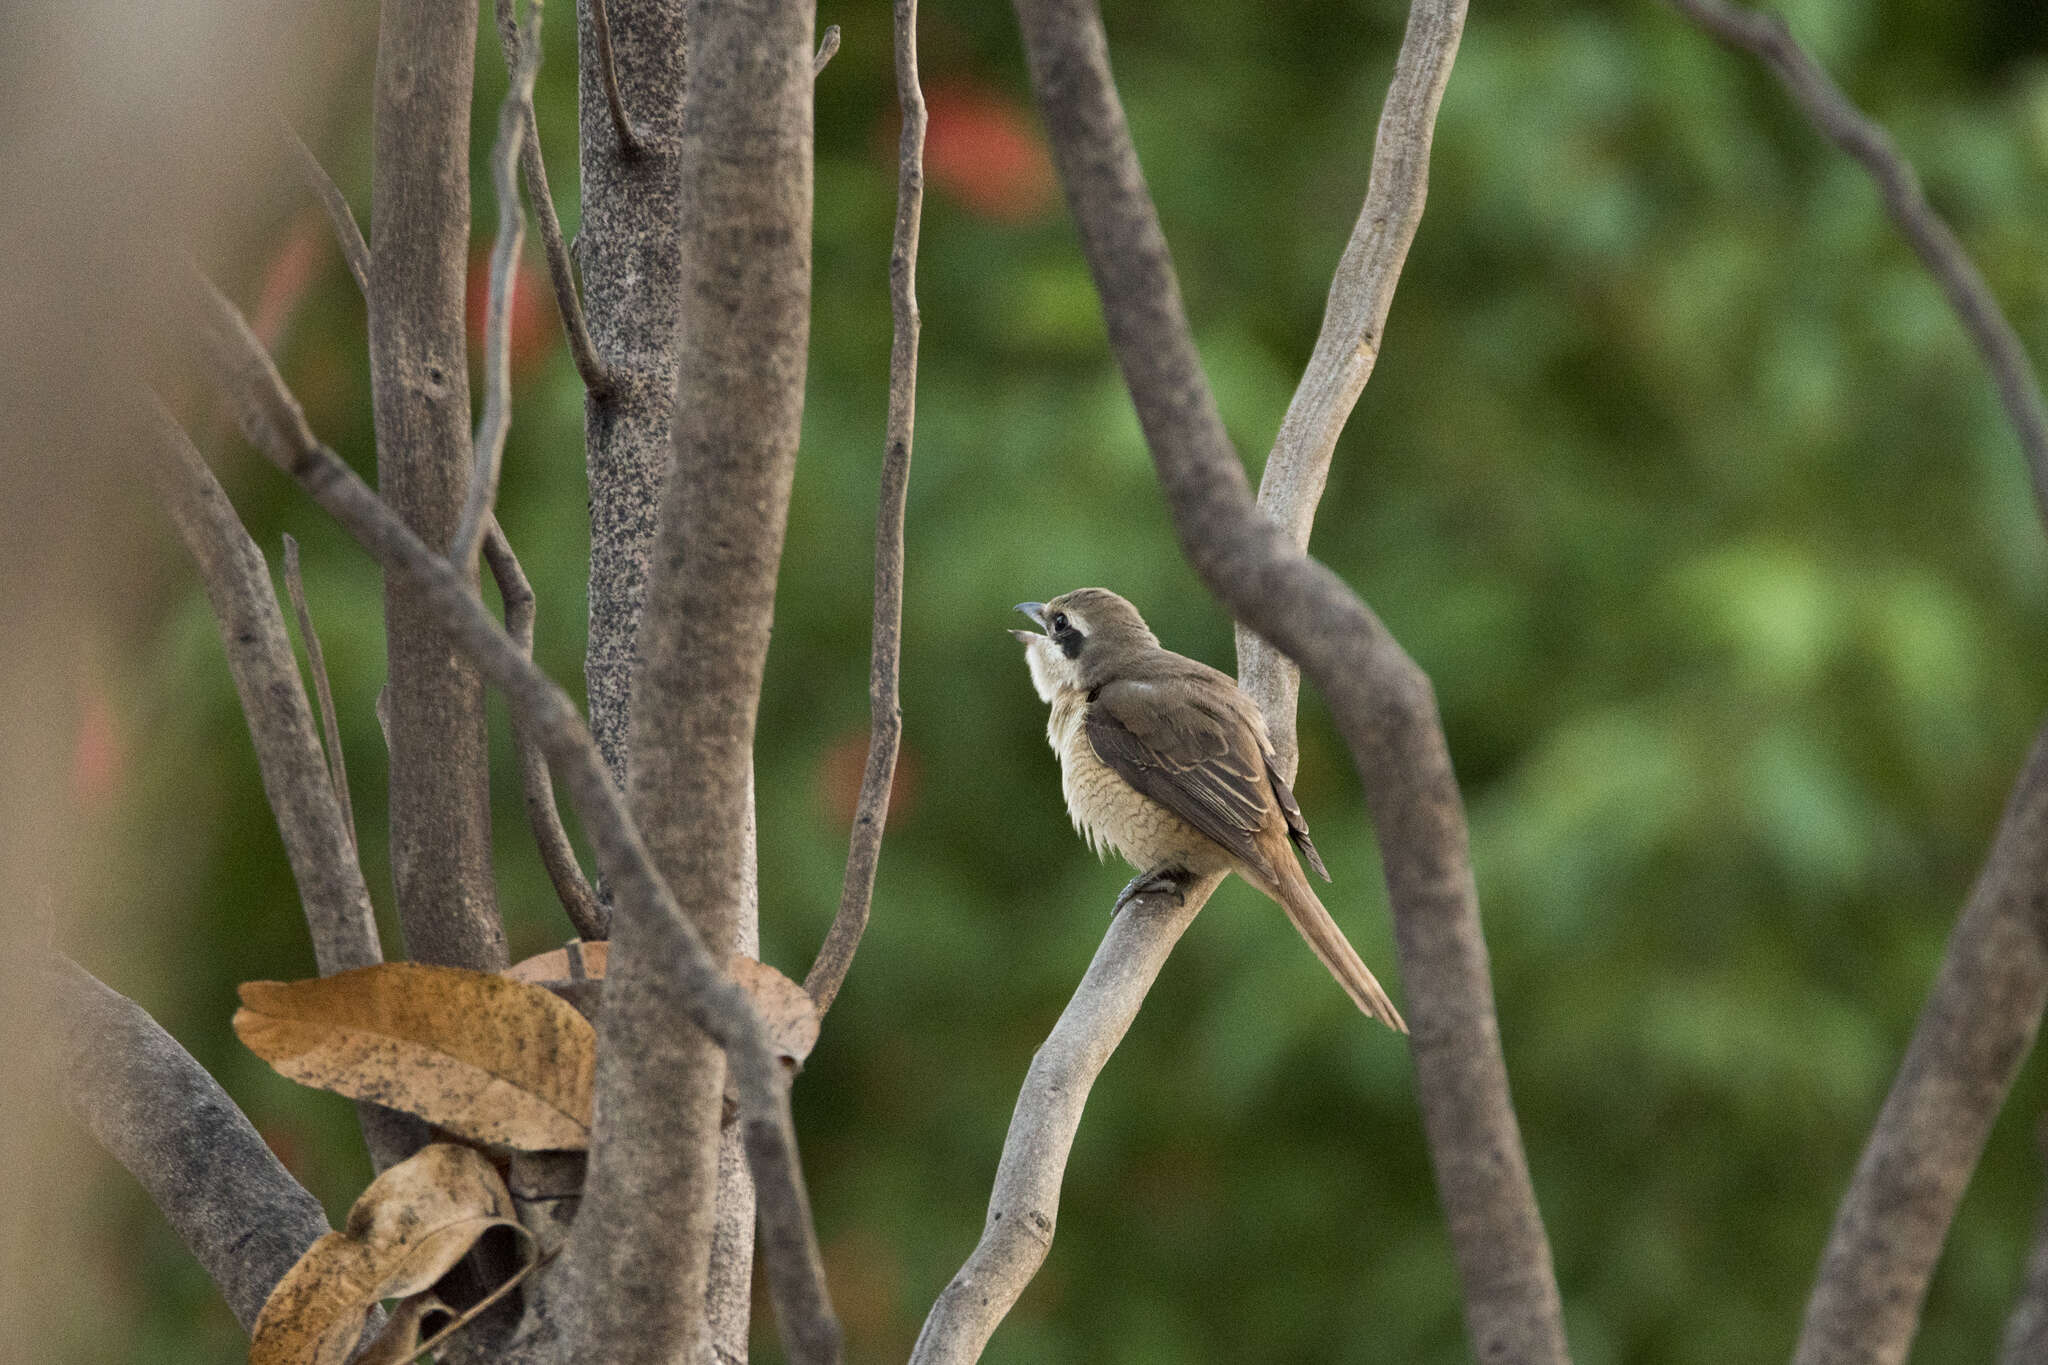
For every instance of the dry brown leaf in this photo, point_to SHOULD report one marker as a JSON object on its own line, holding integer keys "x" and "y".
{"x": 576, "y": 960}
{"x": 407, "y": 1230}
{"x": 488, "y": 1058}
{"x": 785, "y": 1009}
{"x": 399, "y": 1342}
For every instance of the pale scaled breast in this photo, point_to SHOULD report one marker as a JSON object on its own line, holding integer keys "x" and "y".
{"x": 1112, "y": 814}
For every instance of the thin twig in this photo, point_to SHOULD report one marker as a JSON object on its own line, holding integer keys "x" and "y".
{"x": 1381, "y": 699}
{"x": 857, "y": 892}
{"x": 827, "y": 46}
{"x": 347, "y": 235}
{"x": 534, "y": 1261}
{"x": 273, "y": 421}
{"x": 316, "y": 660}
{"x": 1348, "y": 344}
{"x": 297, "y": 777}
{"x": 629, "y": 141}
{"x": 556, "y": 853}
{"x": 515, "y": 114}
{"x": 1765, "y": 37}
{"x": 597, "y": 380}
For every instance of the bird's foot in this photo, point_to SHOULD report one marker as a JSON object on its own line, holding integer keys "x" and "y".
{"x": 1159, "y": 881}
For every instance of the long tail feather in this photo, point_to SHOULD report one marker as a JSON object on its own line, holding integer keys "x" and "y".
{"x": 1333, "y": 949}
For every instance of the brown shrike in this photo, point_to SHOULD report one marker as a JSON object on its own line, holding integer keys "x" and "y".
{"x": 1166, "y": 761}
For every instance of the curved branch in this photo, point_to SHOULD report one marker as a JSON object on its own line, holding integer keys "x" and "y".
{"x": 349, "y": 237}
{"x": 159, "y": 1114}
{"x": 1765, "y": 37}
{"x": 323, "y": 688}
{"x": 608, "y": 65}
{"x": 515, "y": 119}
{"x": 557, "y": 854}
{"x": 272, "y": 421}
{"x": 1974, "y": 1032}
{"x": 1382, "y": 702}
{"x": 857, "y": 892}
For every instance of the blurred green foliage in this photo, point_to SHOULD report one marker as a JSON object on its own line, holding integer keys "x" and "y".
{"x": 1676, "y": 475}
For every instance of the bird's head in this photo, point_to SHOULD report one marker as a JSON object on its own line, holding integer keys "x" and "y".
{"x": 1089, "y": 635}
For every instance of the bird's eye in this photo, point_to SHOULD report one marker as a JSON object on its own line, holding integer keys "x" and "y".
{"x": 1059, "y": 622}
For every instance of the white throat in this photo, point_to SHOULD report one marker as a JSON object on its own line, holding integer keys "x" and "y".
{"x": 1052, "y": 672}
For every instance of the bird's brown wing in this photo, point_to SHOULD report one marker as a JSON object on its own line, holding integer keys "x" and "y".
{"x": 1199, "y": 760}
{"x": 1297, "y": 826}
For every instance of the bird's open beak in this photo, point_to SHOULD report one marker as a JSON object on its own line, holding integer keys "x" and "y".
{"x": 1036, "y": 611}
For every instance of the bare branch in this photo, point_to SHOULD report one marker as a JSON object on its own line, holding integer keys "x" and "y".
{"x": 296, "y": 777}
{"x": 316, "y": 660}
{"x": 419, "y": 366}
{"x": 629, "y": 141}
{"x": 347, "y": 235}
{"x": 2026, "y": 1330}
{"x": 159, "y": 1114}
{"x": 1024, "y": 1205}
{"x": 515, "y": 116}
{"x": 1974, "y": 1032}
{"x": 828, "y": 46}
{"x": 857, "y": 892}
{"x": 591, "y": 919}
{"x": 274, "y": 423}
{"x": 1347, "y": 347}
{"x": 1765, "y": 37}
{"x": 1018, "y": 1230}
{"x": 1383, "y": 703}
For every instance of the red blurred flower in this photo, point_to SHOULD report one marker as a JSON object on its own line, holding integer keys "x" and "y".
{"x": 534, "y": 325}
{"x": 984, "y": 150}
{"x": 98, "y": 758}
{"x": 289, "y": 273}
{"x": 846, "y": 762}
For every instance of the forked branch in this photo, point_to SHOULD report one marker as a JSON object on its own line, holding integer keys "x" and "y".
{"x": 857, "y": 892}
{"x": 1021, "y": 1213}
{"x": 536, "y": 784}
{"x": 272, "y": 420}
{"x": 1382, "y": 701}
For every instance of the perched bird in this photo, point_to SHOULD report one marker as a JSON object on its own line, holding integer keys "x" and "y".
{"x": 1166, "y": 761}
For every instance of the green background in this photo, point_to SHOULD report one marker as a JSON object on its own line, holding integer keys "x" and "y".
{"x": 1677, "y": 476}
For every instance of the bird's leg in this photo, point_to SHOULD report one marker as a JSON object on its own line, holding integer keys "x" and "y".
{"x": 1168, "y": 879}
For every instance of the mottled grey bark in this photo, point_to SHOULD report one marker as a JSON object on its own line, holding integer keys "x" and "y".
{"x": 703, "y": 641}
{"x": 419, "y": 373}
{"x": 630, "y": 251}
{"x": 159, "y": 1114}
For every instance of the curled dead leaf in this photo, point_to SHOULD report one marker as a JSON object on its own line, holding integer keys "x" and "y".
{"x": 491, "y": 1059}
{"x": 407, "y": 1230}
{"x": 786, "y": 1010}
{"x": 575, "y": 960}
